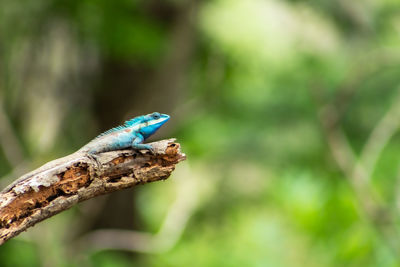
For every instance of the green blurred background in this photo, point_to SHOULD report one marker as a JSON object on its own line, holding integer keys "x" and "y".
{"x": 288, "y": 111}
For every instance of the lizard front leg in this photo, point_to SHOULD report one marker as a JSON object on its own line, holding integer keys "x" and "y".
{"x": 137, "y": 143}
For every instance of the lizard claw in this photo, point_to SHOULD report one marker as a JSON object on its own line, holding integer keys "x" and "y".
{"x": 152, "y": 150}
{"x": 95, "y": 158}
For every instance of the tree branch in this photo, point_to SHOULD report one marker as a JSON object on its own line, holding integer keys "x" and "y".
{"x": 62, "y": 183}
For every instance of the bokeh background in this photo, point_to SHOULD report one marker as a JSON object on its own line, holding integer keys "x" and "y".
{"x": 288, "y": 111}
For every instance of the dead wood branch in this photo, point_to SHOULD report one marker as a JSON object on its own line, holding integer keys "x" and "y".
{"x": 62, "y": 183}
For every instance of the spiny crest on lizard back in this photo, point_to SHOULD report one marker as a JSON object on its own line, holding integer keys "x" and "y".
{"x": 115, "y": 129}
{"x": 134, "y": 121}
{"x": 127, "y": 124}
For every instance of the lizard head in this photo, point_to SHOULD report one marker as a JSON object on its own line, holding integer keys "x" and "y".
{"x": 151, "y": 123}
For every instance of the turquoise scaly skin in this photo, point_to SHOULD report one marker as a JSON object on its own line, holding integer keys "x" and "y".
{"x": 130, "y": 135}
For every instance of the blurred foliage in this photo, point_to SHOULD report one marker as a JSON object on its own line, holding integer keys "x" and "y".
{"x": 261, "y": 73}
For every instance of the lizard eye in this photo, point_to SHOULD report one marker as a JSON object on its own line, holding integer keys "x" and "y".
{"x": 156, "y": 116}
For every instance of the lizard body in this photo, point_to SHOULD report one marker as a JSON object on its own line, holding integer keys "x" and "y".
{"x": 130, "y": 135}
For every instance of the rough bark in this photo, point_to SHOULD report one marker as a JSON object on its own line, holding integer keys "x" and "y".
{"x": 62, "y": 183}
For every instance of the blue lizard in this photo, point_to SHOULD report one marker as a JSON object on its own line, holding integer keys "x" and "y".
{"x": 130, "y": 135}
